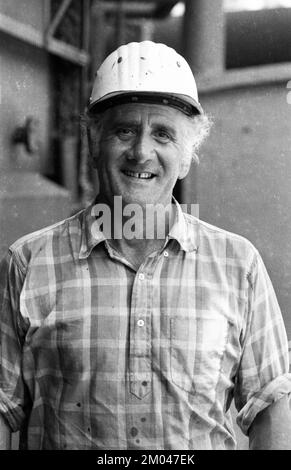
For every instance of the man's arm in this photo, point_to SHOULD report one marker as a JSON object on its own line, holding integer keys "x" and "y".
{"x": 263, "y": 377}
{"x": 5, "y": 435}
{"x": 12, "y": 388}
{"x": 271, "y": 429}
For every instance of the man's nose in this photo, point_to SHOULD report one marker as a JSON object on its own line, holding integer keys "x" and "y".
{"x": 143, "y": 148}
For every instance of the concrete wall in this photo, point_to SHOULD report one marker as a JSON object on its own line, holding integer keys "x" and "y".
{"x": 28, "y": 201}
{"x": 29, "y": 12}
{"x": 244, "y": 178}
{"x": 25, "y": 86}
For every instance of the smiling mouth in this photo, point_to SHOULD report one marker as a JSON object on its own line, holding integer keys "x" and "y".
{"x": 143, "y": 176}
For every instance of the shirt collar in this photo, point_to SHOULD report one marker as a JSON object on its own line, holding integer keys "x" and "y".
{"x": 185, "y": 231}
{"x": 91, "y": 235}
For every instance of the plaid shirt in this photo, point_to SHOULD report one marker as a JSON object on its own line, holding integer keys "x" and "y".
{"x": 97, "y": 355}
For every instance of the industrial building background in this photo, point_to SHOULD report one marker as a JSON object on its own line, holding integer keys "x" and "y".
{"x": 240, "y": 52}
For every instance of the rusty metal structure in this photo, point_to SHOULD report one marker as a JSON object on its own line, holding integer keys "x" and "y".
{"x": 46, "y": 39}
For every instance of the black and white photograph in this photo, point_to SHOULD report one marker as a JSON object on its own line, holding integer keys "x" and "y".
{"x": 145, "y": 229}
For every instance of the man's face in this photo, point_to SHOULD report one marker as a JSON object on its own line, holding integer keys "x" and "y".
{"x": 141, "y": 153}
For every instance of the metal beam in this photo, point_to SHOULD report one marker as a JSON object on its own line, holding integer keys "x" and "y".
{"x": 34, "y": 37}
{"x": 120, "y": 25}
{"x": 133, "y": 8}
{"x": 67, "y": 52}
{"x": 86, "y": 32}
{"x": 46, "y": 14}
{"x": 20, "y": 31}
{"x": 244, "y": 77}
{"x": 58, "y": 17}
{"x": 86, "y": 13}
{"x": 98, "y": 38}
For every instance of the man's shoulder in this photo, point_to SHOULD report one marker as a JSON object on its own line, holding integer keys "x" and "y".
{"x": 219, "y": 238}
{"x": 43, "y": 240}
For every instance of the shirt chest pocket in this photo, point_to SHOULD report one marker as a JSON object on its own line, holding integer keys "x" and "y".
{"x": 197, "y": 345}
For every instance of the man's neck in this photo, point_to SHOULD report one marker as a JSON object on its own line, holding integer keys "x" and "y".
{"x": 137, "y": 231}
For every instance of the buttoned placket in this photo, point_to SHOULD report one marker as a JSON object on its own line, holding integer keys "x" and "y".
{"x": 140, "y": 373}
{"x": 139, "y": 367}
{"x": 141, "y": 350}
{"x": 140, "y": 360}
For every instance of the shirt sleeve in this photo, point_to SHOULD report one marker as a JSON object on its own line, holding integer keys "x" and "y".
{"x": 12, "y": 333}
{"x": 263, "y": 375}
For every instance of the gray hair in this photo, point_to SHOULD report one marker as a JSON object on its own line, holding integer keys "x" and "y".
{"x": 198, "y": 131}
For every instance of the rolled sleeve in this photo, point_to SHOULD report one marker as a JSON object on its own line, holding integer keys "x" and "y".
{"x": 263, "y": 376}
{"x": 12, "y": 332}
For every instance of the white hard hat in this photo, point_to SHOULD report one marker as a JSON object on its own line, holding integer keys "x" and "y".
{"x": 145, "y": 72}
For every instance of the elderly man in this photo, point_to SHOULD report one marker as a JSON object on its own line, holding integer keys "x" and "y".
{"x": 112, "y": 339}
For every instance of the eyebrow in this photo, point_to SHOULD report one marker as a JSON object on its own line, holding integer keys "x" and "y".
{"x": 119, "y": 122}
{"x": 165, "y": 127}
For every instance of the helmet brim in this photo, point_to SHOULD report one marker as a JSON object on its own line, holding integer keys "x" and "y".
{"x": 183, "y": 103}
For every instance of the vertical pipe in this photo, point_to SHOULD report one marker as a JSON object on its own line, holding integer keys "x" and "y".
{"x": 85, "y": 47}
{"x": 203, "y": 47}
{"x": 146, "y": 30}
{"x": 97, "y": 54}
{"x": 46, "y": 16}
{"x": 97, "y": 36}
{"x": 203, "y": 36}
{"x": 83, "y": 179}
{"x": 120, "y": 24}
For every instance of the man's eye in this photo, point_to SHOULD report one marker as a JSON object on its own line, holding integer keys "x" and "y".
{"x": 163, "y": 136}
{"x": 125, "y": 132}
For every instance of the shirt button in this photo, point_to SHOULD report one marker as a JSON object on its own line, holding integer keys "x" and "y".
{"x": 140, "y": 322}
{"x": 141, "y": 276}
{"x": 166, "y": 254}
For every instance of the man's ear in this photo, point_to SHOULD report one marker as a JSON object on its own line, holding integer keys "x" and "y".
{"x": 185, "y": 167}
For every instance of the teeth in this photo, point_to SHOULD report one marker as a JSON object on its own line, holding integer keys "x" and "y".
{"x": 144, "y": 175}
{"x": 138, "y": 175}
